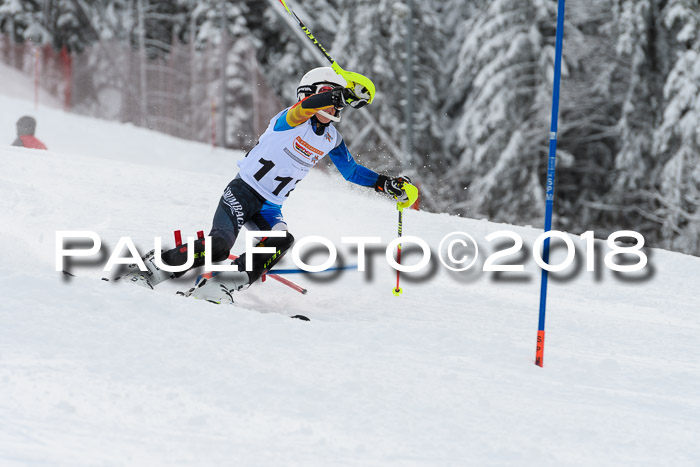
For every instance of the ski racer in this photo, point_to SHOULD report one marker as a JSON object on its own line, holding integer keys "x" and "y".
{"x": 296, "y": 139}
{"x": 26, "y": 126}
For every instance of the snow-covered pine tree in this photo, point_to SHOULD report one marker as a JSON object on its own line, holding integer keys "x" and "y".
{"x": 364, "y": 42}
{"x": 283, "y": 55}
{"x": 242, "y": 105}
{"x": 164, "y": 24}
{"x": 498, "y": 101}
{"x": 372, "y": 40}
{"x": 249, "y": 100}
{"x": 677, "y": 139}
{"x": 22, "y": 21}
{"x": 644, "y": 62}
{"x": 69, "y": 23}
{"x": 591, "y": 99}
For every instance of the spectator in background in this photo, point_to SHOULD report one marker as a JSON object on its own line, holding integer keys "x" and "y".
{"x": 26, "y": 126}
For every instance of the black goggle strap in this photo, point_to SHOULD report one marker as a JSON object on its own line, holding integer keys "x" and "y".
{"x": 306, "y": 90}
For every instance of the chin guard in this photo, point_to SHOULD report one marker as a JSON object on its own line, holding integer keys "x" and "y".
{"x": 328, "y": 116}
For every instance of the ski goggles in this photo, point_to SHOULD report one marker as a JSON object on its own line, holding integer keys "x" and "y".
{"x": 325, "y": 88}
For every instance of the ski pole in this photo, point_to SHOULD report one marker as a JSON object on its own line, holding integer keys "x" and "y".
{"x": 412, "y": 195}
{"x": 281, "y": 280}
{"x": 397, "y": 291}
{"x": 357, "y": 82}
{"x": 288, "y": 283}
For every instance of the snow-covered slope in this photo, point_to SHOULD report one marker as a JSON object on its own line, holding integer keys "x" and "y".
{"x": 97, "y": 373}
{"x": 20, "y": 86}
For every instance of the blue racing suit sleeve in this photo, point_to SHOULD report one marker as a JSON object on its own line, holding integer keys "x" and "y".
{"x": 281, "y": 124}
{"x": 351, "y": 170}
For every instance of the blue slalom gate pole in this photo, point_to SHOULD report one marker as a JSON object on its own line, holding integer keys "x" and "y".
{"x": 539, "y": 355}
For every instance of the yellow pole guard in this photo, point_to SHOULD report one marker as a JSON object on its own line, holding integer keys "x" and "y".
{"x": 359, "y": 84}
{"x": 412, "y": 193}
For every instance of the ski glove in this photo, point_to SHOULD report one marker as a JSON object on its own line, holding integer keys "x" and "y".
{"x": 393, "y": 186}
{"x": 345, "y": 96}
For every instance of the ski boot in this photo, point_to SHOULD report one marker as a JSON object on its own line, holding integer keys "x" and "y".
{"x": 220, "y": 288}
{"x": 149, "y": 278}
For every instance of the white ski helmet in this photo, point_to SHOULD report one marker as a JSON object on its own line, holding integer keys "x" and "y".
{"x": 312, "y": 81}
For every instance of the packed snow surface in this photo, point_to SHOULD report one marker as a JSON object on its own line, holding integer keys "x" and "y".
{"x": 107, "y": 374}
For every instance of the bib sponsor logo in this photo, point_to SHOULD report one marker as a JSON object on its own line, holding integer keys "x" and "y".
{"x": 305, "y": 149}
{"x": 301, "y": 150}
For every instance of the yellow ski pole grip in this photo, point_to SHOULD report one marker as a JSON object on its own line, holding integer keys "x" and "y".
{"x": 412, "y": 193}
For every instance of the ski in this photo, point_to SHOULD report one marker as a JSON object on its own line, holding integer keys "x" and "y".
{"x": 68, "y": 275}
{"x": 274, "y": 275}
